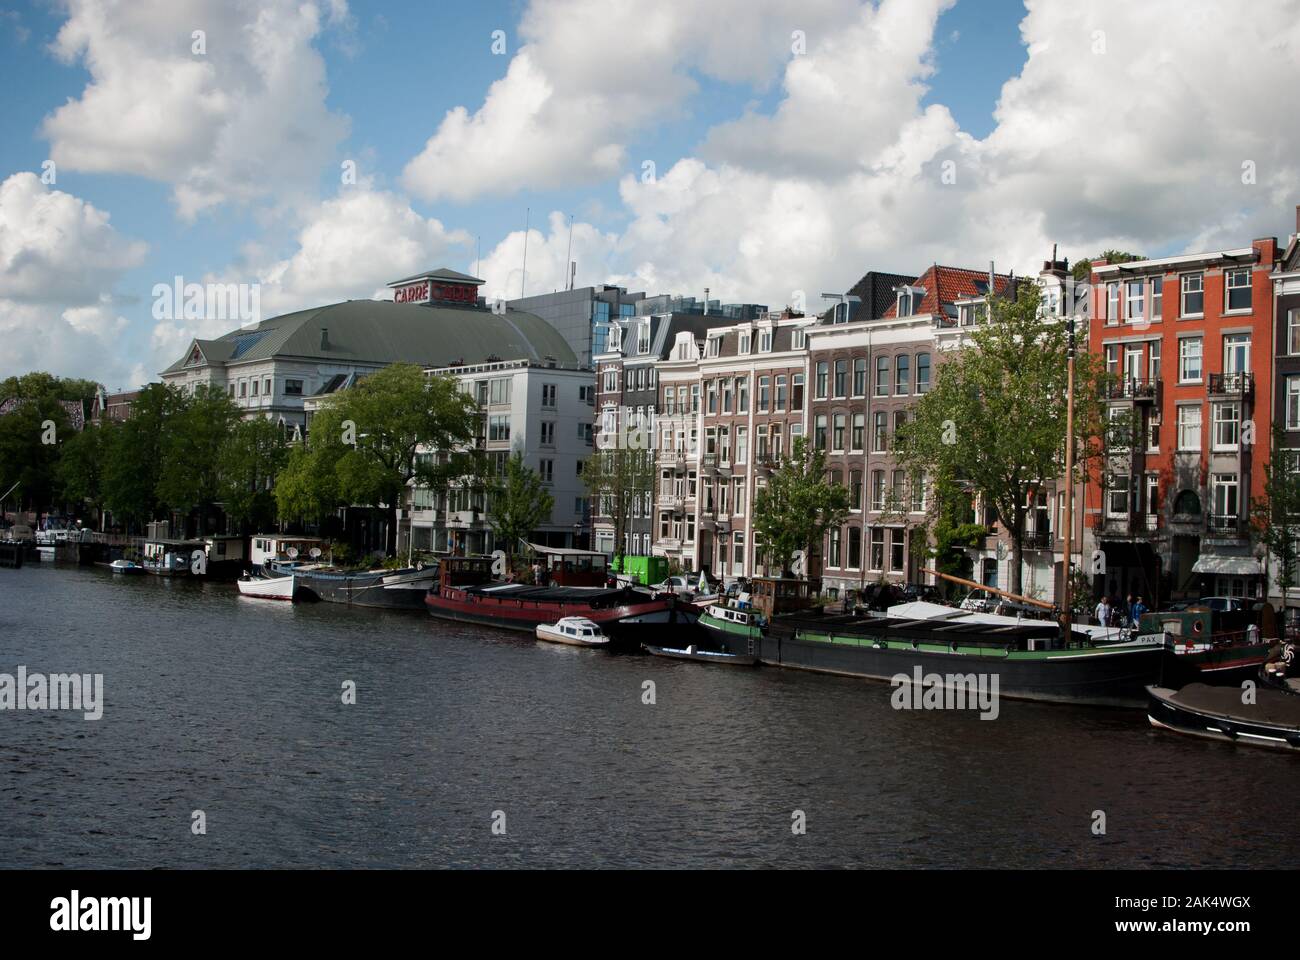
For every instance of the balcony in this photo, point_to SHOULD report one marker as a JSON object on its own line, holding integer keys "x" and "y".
{"x": 1039, "y": 540}
{"x": 1225, "y": 526}
{"x": 669, "y": 501}
{"x": 709, "y": 463}
{"x": 1134, "y": 388}
{"x": 1240, "y": 385}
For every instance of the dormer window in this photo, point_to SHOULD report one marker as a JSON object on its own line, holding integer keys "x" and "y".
{"x": 765, "y": 341}
{"x": 714, "y": 347}
{"x": 196, "y": 357}
{"x": 909, "y": 301}
{"x": 798, "y": 338}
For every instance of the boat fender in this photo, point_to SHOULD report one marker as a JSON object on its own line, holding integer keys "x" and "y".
{"x": 1197, "y": 627}
{"x": 419, "y": 564}
{"x": 1228, "y": 729}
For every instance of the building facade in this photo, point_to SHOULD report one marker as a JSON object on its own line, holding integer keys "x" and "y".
{"x": 1188, "y": 340}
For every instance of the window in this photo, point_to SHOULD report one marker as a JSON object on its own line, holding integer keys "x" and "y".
{"x": 855, "y": 489}
{"x": 1189, "y": 428}
{"x": 1227, "y": 425}
{"x": 1153, "y": 494}
{"x": 877, "y": 559}
{"x": 547, "y": 469}
{"x": 764, "y": 393}
{"x": 743, "y": 346}
{"x": 1193, "y": 291}
{"x": 1157, "y": 297}
{"x": 798, "y": 338}
{"x": 918, "y": 493}
{"x": 833, "y": 552}
{"x": 1189, "y": 359}
{"x": 1224, "y": 494}
{"x": 293, "y": 388}
{"x": 855, "y": 548}
{"x": 841, "y": 378}
{"x": 254, "y": 388}
{"x": 780, "y": 394}
{"x": 898, "y": 490}
{"x": 1135, "y": 308}
{"x": 266, "y": 386}
{"x": 610, "y": 384}
{"x": 1117, "y": 495}
{"x": 837, "y": 432}
{"x": 922, "y": 373}
{"x": 897, "y": 550}
{"x": 796, "y": 392}
{"x": 738, "y": 554}
{"x": 1236, "y": 353}
{"x": 1238, "y": 289}
{"x": 882, "y": 376}
{"x": 1293, "y": 403}
{"x": 1112, "y": 303}
{"x": 499, "y": 427}
{"x": 823, "y": 379}
{"x": 904, "y": 302}
{"x": 859, "y": 431}
{"x": 711, "y": 397}
{"x": 877, "y": 489}
{"x": 548, "y": 433}
{"x": 879, "y": 435}
{"x": 742, "y": 444}
{"x": 860, "y": 372}
{"x": 243, "y": 388}
{"x": 500, "y": 392}
{"x": 742, "y": 394}
{"x": 726, "y": 395}
{"x": 695, "y": 398}
{"x": 713, "y": 347}
{"x": 765, "y": 341}
{"x": 548, "y": 394}
{"x": 819, "y": 432}
{"x": 1153, "y": 361}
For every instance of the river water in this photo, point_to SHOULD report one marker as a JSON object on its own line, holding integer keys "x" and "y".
{"x": 234, "y": 707}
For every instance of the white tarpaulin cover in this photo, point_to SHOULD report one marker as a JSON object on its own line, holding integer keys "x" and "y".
{"x": 1230, "y": 566}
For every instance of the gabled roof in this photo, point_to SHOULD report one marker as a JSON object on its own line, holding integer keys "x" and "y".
{"x": 442, "y": 273}
{"x": 946, "y": 285}
{"x": 380, "y": 332}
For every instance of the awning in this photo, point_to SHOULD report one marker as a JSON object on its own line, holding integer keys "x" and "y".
{"x": 1230, "y": 566}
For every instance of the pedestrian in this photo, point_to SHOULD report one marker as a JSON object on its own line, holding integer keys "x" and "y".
{"x": 1136, "y": 609}
{"x": 1102, "y": 612}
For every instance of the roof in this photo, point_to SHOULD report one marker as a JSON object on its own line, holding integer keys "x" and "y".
{"x": 945, "y": 285}
{"x": 442, "y": 273}
{"x": 381, "y": 331}
{"x": 876, "y": 291}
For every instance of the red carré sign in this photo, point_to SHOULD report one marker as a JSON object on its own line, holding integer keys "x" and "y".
{"x": 412, "y": 293}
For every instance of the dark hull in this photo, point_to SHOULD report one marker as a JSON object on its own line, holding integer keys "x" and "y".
{"x": 358, "y": 589}
{"x": 1217, "y": 713}
{"x": 1223, "y": 666}
{"x": 624, "y": 623}
{"x": 701, "y": 656}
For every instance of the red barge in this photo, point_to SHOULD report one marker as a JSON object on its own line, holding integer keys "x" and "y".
{"x": 573, "y": 587}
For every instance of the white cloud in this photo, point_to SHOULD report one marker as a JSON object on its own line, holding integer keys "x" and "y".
{"x": 244, "y": 120}
{"x": 592, "y": 74}
{"x": 60, "y": 259}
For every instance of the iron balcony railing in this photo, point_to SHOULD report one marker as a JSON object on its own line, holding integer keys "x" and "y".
{"x": 1231, "y": 384}
{"x": 1133, "y": 388}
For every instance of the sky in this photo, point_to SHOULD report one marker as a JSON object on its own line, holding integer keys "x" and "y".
{"x": 770, "y": 150}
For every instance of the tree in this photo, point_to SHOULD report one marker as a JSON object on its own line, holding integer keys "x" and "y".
{"x": 518, "y": 503}
{"x": 364, "y": 444}
{"x": 616, "y": 478}
{"x": 798, "y": 505}
{"x": 81, "y": 465}
{"x": 1083, "y": 268}
{"x": 192, "y": 443}
{"x": 133, "y": 455}
{"x": 995, "y": 419}
{"x": 33, "y": 426}
{"x": 254, "y": 453}
{"x": 1276, "y": 515}
{"x": 955, "y": 528}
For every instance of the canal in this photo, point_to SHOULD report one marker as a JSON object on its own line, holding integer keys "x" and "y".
{"x": 234, "y": 707}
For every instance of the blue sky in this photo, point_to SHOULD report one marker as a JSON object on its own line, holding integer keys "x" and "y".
{"x": 393, "y": 70}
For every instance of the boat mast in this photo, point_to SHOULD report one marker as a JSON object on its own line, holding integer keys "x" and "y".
{"x": 1067, "y": 616}
{"x": 975, "y": 585}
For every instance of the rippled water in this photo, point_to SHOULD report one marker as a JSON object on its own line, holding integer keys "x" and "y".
{"x": 233, "y": 707}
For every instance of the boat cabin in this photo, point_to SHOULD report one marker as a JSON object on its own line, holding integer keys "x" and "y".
{"x": 464, "y": 571}
{"x": 276, "y": 546}
{"x": 172, "y": 556}
{"x": 580, "y": 628}
{"x": 568, "y": 567}
{"x": 1200, "y": 623}
{"x": 775, "y": 595}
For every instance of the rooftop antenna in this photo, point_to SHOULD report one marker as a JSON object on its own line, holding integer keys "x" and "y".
{"x": 478, "y": 253}
{"x": 523, "y": 279}
{"x": 568, "y": 257}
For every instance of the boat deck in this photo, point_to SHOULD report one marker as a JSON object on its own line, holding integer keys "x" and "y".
{"x": 1273, "y": 707}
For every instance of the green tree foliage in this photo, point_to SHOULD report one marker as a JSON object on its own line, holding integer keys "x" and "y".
{"x": 133, "y": 455}
{"x": 254, "y": 453}
{"x": 995, "y": 419}
{"x": 1083, "y": 268}
{"x": 1275, "y": 516}
{"x": 31, "y": 432}
{"x": 82, "y": 459}
{"x": 955, "y": 528}
{"x": 616, "y": 478}
{"x": 798, "y": 505}
{"x": 193, "y": 441}
{"x": 518, "y": 503}
{"x": 363, "y": 444}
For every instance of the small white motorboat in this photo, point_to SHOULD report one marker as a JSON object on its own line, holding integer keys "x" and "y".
{"x": 268, "y": 588}
{"x": 125, "y": 566}
{"x": 575, "y": 631}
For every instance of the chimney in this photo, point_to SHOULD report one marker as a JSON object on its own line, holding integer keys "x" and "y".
{"x": 324, "y": 338}
{"x": 706, "y": 301}
{"x": 1297, "y": 218}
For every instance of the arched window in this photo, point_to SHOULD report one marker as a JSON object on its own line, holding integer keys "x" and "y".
{"x": 1187, "y": 503}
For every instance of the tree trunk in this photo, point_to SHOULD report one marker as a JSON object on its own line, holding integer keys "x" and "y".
{"x": 390, "y": 539}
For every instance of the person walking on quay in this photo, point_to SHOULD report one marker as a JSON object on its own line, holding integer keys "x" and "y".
{"x": 1136, "y": 609}
{"x": 1102, "y": 612}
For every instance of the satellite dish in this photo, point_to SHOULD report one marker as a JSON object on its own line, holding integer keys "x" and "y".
{"x": 292, "y": 553}
{"x": 315, "y": 552}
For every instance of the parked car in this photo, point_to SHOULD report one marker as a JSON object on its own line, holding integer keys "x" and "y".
{"x": 1222, "y": 604}
{"x": 921, "y": 591}
{"x": 681, "y": 586}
